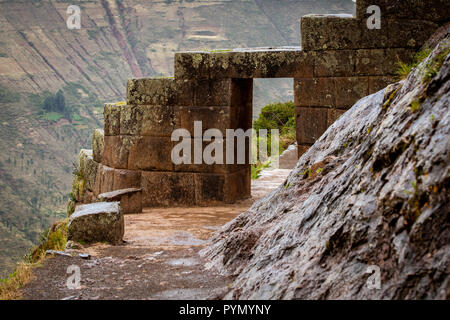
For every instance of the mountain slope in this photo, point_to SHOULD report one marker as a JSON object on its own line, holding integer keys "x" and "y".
{"x": 370, "y": 195}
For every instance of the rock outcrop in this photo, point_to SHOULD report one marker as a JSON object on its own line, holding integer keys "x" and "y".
{"x": 367, "y": 202}
{"x": 97, "y": 222}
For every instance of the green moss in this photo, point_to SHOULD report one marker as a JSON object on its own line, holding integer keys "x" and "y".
{"x": 415, "y": 105}
{"x": 432, "y": 68}
{"x": 388, "y": 103}
{"x": 307, "y": 173}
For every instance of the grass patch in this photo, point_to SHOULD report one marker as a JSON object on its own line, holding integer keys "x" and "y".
{"x": 10, "y": 286}
{"x": 257, "y": 168}
{"x": 415, "y": 105}
{"x": 52, "y": 116}
{"x": 405, "y": 68}
{"x": 53, "y": 239}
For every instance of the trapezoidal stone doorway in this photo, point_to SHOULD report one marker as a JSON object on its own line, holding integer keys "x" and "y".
{"x": 214, "y": 88}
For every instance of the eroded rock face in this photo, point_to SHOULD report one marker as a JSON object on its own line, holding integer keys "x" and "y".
{"x": 371, "y": 193}
{"x": 97, "y": 222}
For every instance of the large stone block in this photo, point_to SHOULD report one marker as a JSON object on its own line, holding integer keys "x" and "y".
{"x": 163, "y": 92}
{"x": 104, "y": 181}
{"x": 111, "y": 114}
{"x": 116, "y": 151}
{"x": 242, "y": 103}
{"x": 432, "y": 10}
{"x": 314, "y": 92}
{"x": 282, "y": 62}
{"x": 167, "y": 189}
{"x": 237, "y": 185}
{"x": 151, "y": 154}
{"x": 97, "y": 222}
{"x": 212, "y": 92}
{"x": 409, "y": 33}
{"x": 338, "y": 32}
{"x": 125, "y": 179}
{"x": 206, "y": 148}
{"x": 219, "y": 118}
{"x": 381, "y": 62}
{"x": 311, "y": 123}
{"x": 349, "y": 90}
{"x": 149, "y": 120}
{"x": 330, "y": 32}
{"x": 334, "y": 63}
{"x": 209, "y": 188}
{"x": 98, "y": 144}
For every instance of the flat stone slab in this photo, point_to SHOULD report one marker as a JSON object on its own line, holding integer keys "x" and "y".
{"x": 117, "y": 194}
{"x": 97, "y": 222}
{"x": 130, "y": 199}
{"x": 260, "y": 62}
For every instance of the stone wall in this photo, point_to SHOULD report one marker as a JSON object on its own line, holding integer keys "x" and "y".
{"x": 351, "y": 61}
{"x": 340, "y": 61}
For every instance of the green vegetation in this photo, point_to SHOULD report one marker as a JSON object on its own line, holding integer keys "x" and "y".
{"x": 279, "y": 116}
{"x": 92, "y": 34}
{"x": 53, "y": 239}
{"x": 432, "y": 68}
{"x": 56, "y": 108}
{"x": 405, "y": 68}
{"x": 415, "y": 105}
{"x": 7, "y": 96}
{"x": 257, "y": 168}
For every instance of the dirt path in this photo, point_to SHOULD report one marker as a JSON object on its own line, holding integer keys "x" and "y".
{"x": 159, "y": 259}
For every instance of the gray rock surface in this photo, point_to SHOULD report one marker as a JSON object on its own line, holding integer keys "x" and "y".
{"x": 97, "y": 222}
{"x": 370, "y": 194}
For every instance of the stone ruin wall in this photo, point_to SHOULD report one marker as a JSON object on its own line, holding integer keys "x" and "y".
{"x": 340, "y": 61}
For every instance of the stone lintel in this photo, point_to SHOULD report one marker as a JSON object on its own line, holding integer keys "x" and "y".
{"x": 281, "y": 62}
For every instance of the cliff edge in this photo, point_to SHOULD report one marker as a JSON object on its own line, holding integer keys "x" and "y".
{"x": 364, "y": 214}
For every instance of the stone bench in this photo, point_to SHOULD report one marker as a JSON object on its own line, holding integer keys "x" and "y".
{"x": 130, "y": 199}
{"x": 97, "y": 222}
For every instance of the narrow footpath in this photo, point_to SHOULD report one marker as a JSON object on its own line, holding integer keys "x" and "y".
{"x": 158, "y": 260}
